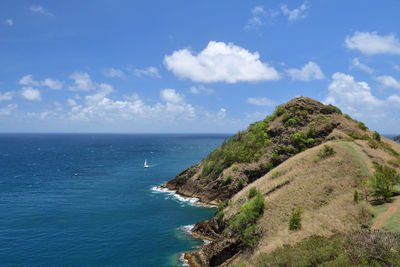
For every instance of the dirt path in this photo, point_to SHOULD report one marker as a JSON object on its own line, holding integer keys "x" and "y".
{"x": 382, "y": 218}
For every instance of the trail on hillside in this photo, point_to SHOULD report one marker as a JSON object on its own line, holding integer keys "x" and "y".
{"x": 382, "y": 218}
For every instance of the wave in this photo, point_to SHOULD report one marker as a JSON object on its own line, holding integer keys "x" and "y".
{"x": 188, "y": 200}
{"x": 183, "y": 261}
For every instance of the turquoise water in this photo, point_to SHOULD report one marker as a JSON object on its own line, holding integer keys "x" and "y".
{"x": 86, "y": 200}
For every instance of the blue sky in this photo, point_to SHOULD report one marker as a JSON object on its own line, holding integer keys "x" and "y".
{"x": 193, "y": 66}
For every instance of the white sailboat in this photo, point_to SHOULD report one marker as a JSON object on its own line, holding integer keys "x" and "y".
{"x": 145, "y": 164}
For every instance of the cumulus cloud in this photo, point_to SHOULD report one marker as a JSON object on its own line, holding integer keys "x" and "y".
{"x": 6, "y": 96}
{"x": 41, "y": 10}
{"x": 6, "y": 111}
{"x": 169, "y": 95}
{"x": 82, "y": 82}
{"x": 310, "y": 71}
{"x": 388, "y": 81}
{"x": 295, "y": 14}
{"x": 220, "y": 62}
{"x": 48, "y": 82}
{"x": 150, "y": 71}
{"x": 370, "y": 43}
{"x": 196, "y": 90}
{"x": 395, "y": 99}
{"x": 30, "y": 93}
{"x": 351, "y": 95}
{"x": 9, "y": 22}
{"x": 260, "y": 101}
{"x": 356, "y": 64}
{"x": 113, "y": 73}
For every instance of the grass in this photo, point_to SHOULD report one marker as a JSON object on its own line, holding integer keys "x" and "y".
{"x": 393, "y": 223}
{"x": 363, "y": 166}
{"x": 378, "y": 210}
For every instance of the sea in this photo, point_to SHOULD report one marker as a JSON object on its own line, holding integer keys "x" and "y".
{"x": 86, "y": 200}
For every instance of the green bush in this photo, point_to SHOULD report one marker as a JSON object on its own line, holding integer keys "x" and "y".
{"x": 376, "y": 136}
{"x": 347, "y": 116}
{"x": 316, "y": 159}
{"x": 243, "y": 223}
{"x": 234, "y": 168}
{"x": 227, "y": 181}
{"x": 362, "y": 126}
{"x": 275, "y": 174}
{"x": 220, "y": 212}
{"x": 326, "y": 151}
{"x": 240, "y": 184}
{"x": 331, "y": 109}
{"x": 356, "y": 196}
{"x": 253, "y": 192}
{"x": 383, "y": 182}
{"x": 295, "y": 219}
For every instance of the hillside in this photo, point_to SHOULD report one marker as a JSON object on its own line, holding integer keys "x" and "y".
{"x": 308, "y": 168}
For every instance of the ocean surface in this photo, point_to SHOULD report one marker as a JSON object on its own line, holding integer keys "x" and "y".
{"x": 86, "y": 200}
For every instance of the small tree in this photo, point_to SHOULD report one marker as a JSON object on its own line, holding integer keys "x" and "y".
{"x": 295, "y": 219}
{"x": 376, "y": 136}
{"x": 383, "y": 181}
{"x": 356, "y": 196}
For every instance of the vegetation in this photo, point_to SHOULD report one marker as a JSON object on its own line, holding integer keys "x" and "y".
{"x": 227, "y": 181}
{"x": 252, "y": 193}
{"x": 240, "y": 184}
{"x": 275, "y": 174}
{"x": 357, "y": 249}
{"x": 220, "y": 212}
{"x": 295, "y": 219}
{"x": 356, "y": 196}
{"x": 362, "y": 126}
{"x": 376, "y": 136}
{"x": 234, "y": 168}
{"x": 316, "y": 159}
{"x": 327, "y": 151}
{"x": 243, "y": 225}
{"x": 383, "y": 182}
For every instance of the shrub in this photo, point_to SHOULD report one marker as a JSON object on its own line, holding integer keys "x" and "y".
{"x": 373, "y": 144}
{"x": 275, "y": 174}
{"x": 331, "y": 109}
{"x": 327, "y": 151}
{"x": 220, "y": 212}
{"x": 240, "y": 184}
{"x": 356, "y": 196}
{"x": 228, "y": 180}
{"x": 253, "y": 192}
{"x": 295, "y": 219}
{"x": 234, "y": 168}
{"x": 376, "y": 136}
{"x": 243, "y": 223}
{"x": 362, "y": 126}
{"x": 316, "y": 159}
{"x": 347, "y": 116}
{"x": 383, "y": 182}
{"x": 291, "y": 122}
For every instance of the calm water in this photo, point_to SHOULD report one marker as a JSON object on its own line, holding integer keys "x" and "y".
{"x": 86, "y": 200}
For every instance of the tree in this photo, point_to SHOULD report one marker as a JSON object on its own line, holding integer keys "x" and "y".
{"x": 383, "y": 181}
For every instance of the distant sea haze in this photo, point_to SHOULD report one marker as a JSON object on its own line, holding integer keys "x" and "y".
{"x": 86, "y": 200}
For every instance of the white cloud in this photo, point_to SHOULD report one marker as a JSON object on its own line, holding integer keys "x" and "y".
{"x": 104, "y": 90}
{"x": 388, "y": 81}
{"x": 310, "y": 71}
{"x": 395, "y": 99}
{"x": 41, "y": 10}
{"x": 396, "y": 67}
{"x": 221, "y": 113}
{"x": 7, "y": 96}
{"x": 354, "y": 97}
{"x": 170, "y": 96}
{"x": 71, "y": 102}
{"x": 113, "y": 73}
{"x": 201, "y": 89}
{"x": 355, "y": 63}
{"x": 9, "y": 22}
{"x": 52, "y": 84}
{"x": 150, "y": 71}
{"x": 82, "y": 82}
{"x": 370, "y": 43}
{"x": 295, "y": 14}
{"x": 257, "y": 13}
{"x": 260, "y": 101}
{"x": 30, "y": 93}
{"x": 220, "y": 62}
{"x": 6, "y": 111}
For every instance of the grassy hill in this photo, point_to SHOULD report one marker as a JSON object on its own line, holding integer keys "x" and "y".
{"x": 300, "y": 188}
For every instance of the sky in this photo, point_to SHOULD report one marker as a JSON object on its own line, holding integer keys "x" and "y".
{"x": 184, "y": 66}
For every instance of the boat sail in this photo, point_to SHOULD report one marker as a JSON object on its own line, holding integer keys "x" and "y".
{"x": 145, "y": 164}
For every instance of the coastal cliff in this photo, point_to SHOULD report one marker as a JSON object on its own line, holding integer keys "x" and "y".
{"x": 307, "y": 160}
